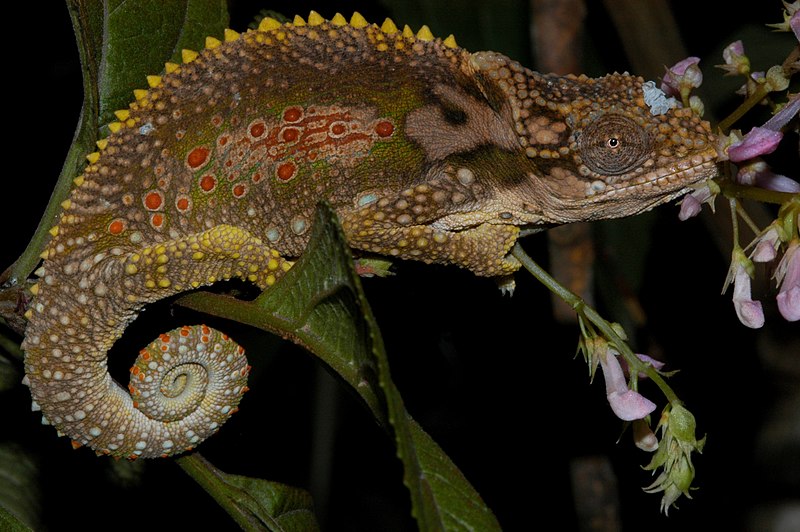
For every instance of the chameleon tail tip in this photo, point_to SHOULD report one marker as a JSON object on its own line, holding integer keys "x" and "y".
{"x": 338, "y": 20}
{"x": 358, "y": 21}
{"x": 298, "y": 21}
{"x": 187, "y": 56}
{"x": 424, "y": 34}
{"x": 315, "y": 19}
{"x": 388, "y": 27}
{"x": 268, "y": 23}
{"x": 231, "y": 35}
{"x": 212, "y": 43}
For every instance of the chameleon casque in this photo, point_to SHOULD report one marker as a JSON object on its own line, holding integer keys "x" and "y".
{"x": 425, "y": 151}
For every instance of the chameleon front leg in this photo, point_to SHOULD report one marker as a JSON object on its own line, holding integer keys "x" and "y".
{"x": 483, "y": 249}
{"x": 184, "y": 385}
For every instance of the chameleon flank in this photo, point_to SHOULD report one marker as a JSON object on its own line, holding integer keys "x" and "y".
{"x": 425, "y": 150}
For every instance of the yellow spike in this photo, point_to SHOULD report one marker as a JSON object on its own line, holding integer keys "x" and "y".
{"x": 450, "y": 41}
{"x": 338, "y": 20}
{"x": 155, "y": 81}
{"x": 54, "y": 230}
{"x": 28, "y": 314}
{"x": 40, "y": 272}
{"x": 268, "y": 23}
{"x": 424, "y": 34}
{"x": 315, "y": 19}
{"x": 298, "y": 21}
{"x": 169, "y": 68}
{"x": 139, "y": 94}
{"x": 34, "y": 289}
{"x": 357, "y": 21}
{"x": 187, "y": 56}
{"x": 66, "y": 204}
{"x": 212, "y": 43}
{"x": 231, "y": 35}
{"x": 93, "y": 157}
{"x": 389, "y": 27}
{"x": 408, "y": 32}
{"x": 45, "y": 254}
{"x": 78, "y": 180}
{"x": 115, "y": 126}
{"x": 122, "y": 114}
{"x": 102, "y": 143}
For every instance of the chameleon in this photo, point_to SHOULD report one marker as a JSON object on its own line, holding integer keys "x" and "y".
{"x": 425, "y": 151}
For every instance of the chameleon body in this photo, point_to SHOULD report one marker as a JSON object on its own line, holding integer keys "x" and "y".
{"x": 426, "y": 152}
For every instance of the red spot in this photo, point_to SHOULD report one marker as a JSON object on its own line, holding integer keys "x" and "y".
{"x": 185, "y": 331}
{"x": 293, "y": 114}
{"x": 239, "y": 190}
{"x": 157, "y": 220}
{"x": 135, "y": 370}
{"x": 141, "y": 376}
{"x": 204, "y": 339}
{"x": 338, "y": 128}
{"x": 164, "y": 338}
{"x": 76, "y": 444}
{"x": 165, "y": 348}
{"x": 257, "y": 177}
{"x": 116, "y": 227}
{"x": 208, "y": 182}
{"x": 286, "y": 171}
{"x": 216, "y": 120}
{"x": 240, "y": 350}
{"x": 223, "y": 140}
{"x": 146, "y": 355}
{"x": 258, "y": 129}
{"x": 182, "y": 204}
{"x": 290, "y": 134}
{"x": 197, "y": 157}
{"x": 153, "y": 200}
{"x": 384, "y": 128}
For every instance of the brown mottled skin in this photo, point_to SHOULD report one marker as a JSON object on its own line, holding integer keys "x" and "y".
{"x": 426, "y": 152}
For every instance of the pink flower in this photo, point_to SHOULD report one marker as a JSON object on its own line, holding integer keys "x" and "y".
{"x": 788, "y": 275}
{"x": 767, "y": 245}
{"x": 759, "y": 174}
{"x": 692, "y": 203}
{"x": 794, "y": 23}
{"x": 759, "y": 141}
{"x": 736, "y": 62}
{"x": 748, "y": 311}
{"x": 626, "y": 404}
{"x": 682, "y": 77}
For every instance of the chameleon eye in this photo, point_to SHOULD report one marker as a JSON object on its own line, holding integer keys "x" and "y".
{"x": 613, "y": 145}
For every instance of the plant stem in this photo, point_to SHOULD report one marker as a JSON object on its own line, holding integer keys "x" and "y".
{"x": 590, "y": 314}
{"x": 759, "y": 94}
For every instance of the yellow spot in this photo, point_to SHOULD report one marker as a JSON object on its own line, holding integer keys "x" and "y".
{"x": 131, "y": 269}
{"x": 130, "y": 122}
{"x": 212, "y": 43}
{"x": 115, "y": 126}
{"x": 424, "y": 34}
{"x": 169, "y": 68}
{"x": 298, "y": 21}
{"x": 163, "y": 283}
{"x": 78, "y": 180}
{"x": 268, "y": 23}
{"x": 198, "y": 255}
{"x": 54, "y": 230}
{"x": 315, "y": 19}
{"x": 408, "y": 32}
{"x": 450, "y": 42}
{"x": 28, "y": 314}
{"x": 123, "y": 114}
{"x": 286, "y": 266}
{"x": 382, "y": 47}
{"x": 155, "y": 81}
{"x": 93, "y": 157}
{"x": 102, "y": 143}
{"x": 231, "y": 35}
{"x": 149, "y": 283}
{"x": 389, "y": 27}
{"x": 139, "y": 94}
{"x": 338, "y": 20}
{"x": 281, "y": 35}
{"x": 34, "y": 289}
{"x": 136, "y": 257}
{"x": 187, "y": 56}
{"x": 45, "y": 254}
{"x": 270, "y": 280}
{"x": 358, "y": 21}
{"x": 66, "y": 204}
{"x": 162, "y": 259}
{"x": 272, "y": 264}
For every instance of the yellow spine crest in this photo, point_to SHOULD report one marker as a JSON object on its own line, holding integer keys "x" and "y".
{"x": 339, "y": 20}
{"x": 315, "y": 19}
{"x": 187, "y": 56}
{"x": 357, "y": 21}
{"x": 268, "y": 23}
{"x": 231, "y": 35}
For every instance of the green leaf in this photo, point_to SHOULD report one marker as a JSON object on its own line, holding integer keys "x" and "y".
{"x": 141, "y": 35}
{"x": 10, "y": 523}
{"x": 19, "y": 489}
{"x": 254, "y": 503}
{"x": 320, "y": 305}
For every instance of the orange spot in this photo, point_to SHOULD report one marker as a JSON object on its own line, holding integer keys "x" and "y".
{"x": 135, "y": 370}
{"x": 197, "y": 157}
{"x": 185, "y": 331}
{"x": 384, "y": 128}
{"x": 290, "y": 134}
{"x": 182, "y": 204}
{"x": 76, "y": 444}
{"x": 223, "y": 140}
{"x": 153, "y": 200}
{"x": 146, "y": 355}
{"x": 245, "y": 389}
{"x": 286, "y": 171}
{"x": 204, "y": 339}
{"x": 239, "y": 190}
{"x": 116, "y": 227}
{"x": 131, "y": 389}
{"x": 164, "y": 338}
{"x": 205, "y": 329}
{"x": 157, "y": 220}
{"x": 208, "y": 182}
{"x": 136, "y": 404}
{"x": 141, "y": 376}
{"x": 338, "y": 128}
{"x": 165, "y": 348}
{"x": 293, "y": 114}
{"x": 257, "y": 177}
{"x": 240, "y": 350}
{"x": 258, "y": 129}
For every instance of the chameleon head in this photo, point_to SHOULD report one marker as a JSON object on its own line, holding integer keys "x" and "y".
{"x": 599, "y": 147}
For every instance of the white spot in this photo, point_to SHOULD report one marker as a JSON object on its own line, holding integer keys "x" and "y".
{"x": 47, "y": 374}
{"x": 80, "y": 414}
{"x": 35, "y": 406}
{"x": 146, "y": 129}
{"x": 225, "y": 409}
{"x": 465, "y": 176}
{"x": 167, "y": 444}
{"x": 100, "y": 290}
{"x": 656, "y": 100}
{"x": 141, "y": 444}
{"x": 95, "y": 431}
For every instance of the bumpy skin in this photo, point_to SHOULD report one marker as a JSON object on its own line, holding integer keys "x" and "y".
{"x": 426, "y": 152}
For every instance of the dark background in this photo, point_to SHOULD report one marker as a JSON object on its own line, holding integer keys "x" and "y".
{"x": 492, "y": 379}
